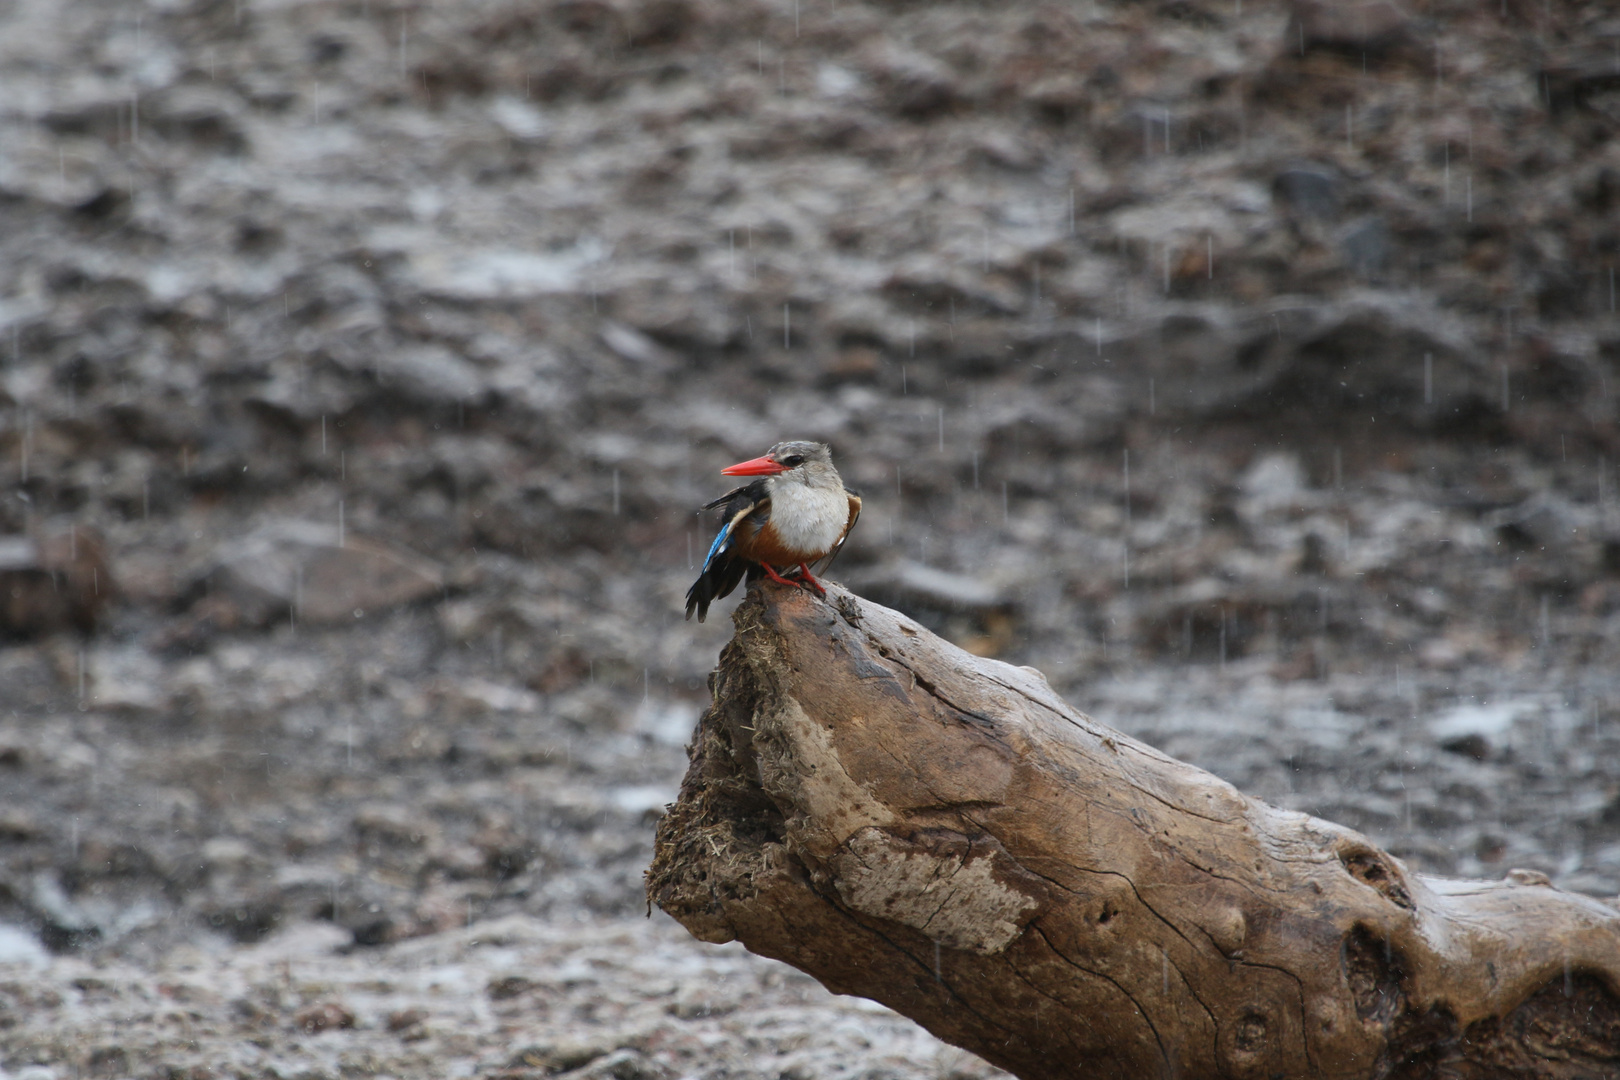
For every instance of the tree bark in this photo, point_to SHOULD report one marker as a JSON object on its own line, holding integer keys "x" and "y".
{"x": 942, "y": 833}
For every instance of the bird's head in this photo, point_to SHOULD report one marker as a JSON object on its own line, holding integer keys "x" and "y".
{"x": 796, "y": 460}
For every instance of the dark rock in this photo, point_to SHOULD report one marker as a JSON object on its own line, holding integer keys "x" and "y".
{"x": 1371, "y": 26}
{"x": 1312, "y": 191}
{"x": 324, "y": 1016}
{"x": 55, "y": 579}
{"x": 1365, "y": 246}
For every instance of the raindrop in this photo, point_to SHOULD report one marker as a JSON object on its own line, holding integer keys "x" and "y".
{"x": 1546, "y": 620}
{"x": 1338, "y": 470}
{"x": 1209, "y": 254}
{"x": 1099, "y": 335}
{"x": 731, "y": 239}
{"x": 1005, "y": 515}
{"x": 1446, "y": 188}
{"x": 1153, "y": 409}
{"x": 615, "y": 492}
{"x": 146, "y": 500}
{"x": 1127, "y": 489}
{"x": 975, "y": 470}
{"x": 404, "y": 31}
{"x": 987, "y": 249}
{"x": 942, "y": 429}
{"x": 795, "y": 18}
{"x": 787, "y": 325}
{"x": 1071, "y": 211}
{"x": 1428, "y": 378}
{"x": 1350, "y": 126}
{"x": 1611, "y": 290}
{"x": 81, "y": 674}
{"x": 903, "y": 388}
{"x": 343, "y": 466}
{"x": 1167, "y": 268}
{"x": 1505, "y": 400}
{"x": 911, "y": 337}
{"x": 342, "y": 526}
{"x": 1223, "y": 640}
{"x": 1470, "y": 196}
{"x": 323, "y": 436}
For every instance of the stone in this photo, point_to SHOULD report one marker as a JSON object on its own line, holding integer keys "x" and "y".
{"x": 1375, "y": 26}
{"x": 53, "y": 579}
{"x": 317, "y": 574}
{"x": 1310, "y": 190}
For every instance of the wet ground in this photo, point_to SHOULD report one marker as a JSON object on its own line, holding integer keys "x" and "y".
{"x": 362, "y": 365}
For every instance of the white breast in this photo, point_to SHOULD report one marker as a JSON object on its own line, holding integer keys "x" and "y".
{"x": 808, "y": 520}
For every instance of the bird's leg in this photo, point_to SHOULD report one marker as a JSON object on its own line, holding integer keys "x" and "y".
{"x": 805, "y": 574}
{"x": 770, "y": 572}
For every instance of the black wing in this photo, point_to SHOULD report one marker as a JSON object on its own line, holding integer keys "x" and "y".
{"x": 722, "y": 570}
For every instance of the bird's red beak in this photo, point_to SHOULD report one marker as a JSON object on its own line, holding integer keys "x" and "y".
{"x": 760, "y": 466}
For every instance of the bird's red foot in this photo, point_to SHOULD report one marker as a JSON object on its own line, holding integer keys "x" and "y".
{"x": 806, "y": 575}
{"x": 770, "y": 572}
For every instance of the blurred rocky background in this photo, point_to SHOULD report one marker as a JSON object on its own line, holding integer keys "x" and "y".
{"x": 1249, "y": 367}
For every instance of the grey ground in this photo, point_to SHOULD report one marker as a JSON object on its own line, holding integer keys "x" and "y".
{"x": 1251, "y": 377}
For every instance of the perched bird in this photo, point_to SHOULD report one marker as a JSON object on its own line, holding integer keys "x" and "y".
{"x": 795, "y": 514}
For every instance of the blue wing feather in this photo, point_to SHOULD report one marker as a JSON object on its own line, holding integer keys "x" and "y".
{"x": 719, "y": 544}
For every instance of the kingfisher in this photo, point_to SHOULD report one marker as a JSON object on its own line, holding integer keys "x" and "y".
{"x": 798, "y": 512}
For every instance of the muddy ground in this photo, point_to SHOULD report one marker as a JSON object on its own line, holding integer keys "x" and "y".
{"x": 1247, "y": 367}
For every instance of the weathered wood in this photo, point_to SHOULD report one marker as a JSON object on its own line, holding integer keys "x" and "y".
{"x": 943, "y": 834}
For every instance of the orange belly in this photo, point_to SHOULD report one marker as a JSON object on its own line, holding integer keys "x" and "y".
{"x": 763, "y": 546}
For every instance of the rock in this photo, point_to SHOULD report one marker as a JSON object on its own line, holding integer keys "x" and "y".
{"x": 55, "y": 579}
{"x": 325, "y": 1016}
{"x": 316, "y": 573}
{"x": 1365, "y": 246}
{"x": 1474, "y": 730}
{"x": 931, "y": 586}
{"x": 1309, "y": 190}
{"x": 637, "y": 347}
{"x": 507, "y": 987}
{"x": 126, "y": 678}
{"x": 1373, "y": 26}
{"x": 403, "y": 1020}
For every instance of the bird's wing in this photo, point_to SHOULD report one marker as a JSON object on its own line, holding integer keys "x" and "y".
{"x": 740, "y": 503}
{"x": 854, "y": 516}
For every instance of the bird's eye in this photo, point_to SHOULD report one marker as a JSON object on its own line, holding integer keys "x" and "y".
{"x": 793, "y": 461}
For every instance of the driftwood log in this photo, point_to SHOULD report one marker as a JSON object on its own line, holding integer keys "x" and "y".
{"x": 942, "y": 833}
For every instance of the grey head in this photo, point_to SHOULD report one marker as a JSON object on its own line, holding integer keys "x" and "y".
{"x": 806, "y": 462}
